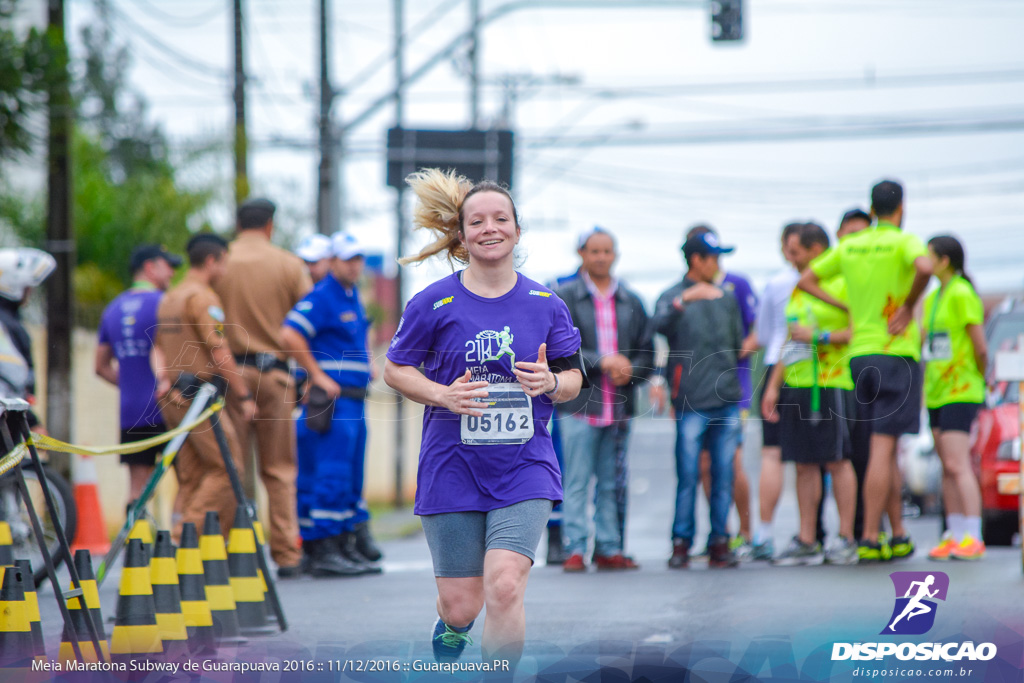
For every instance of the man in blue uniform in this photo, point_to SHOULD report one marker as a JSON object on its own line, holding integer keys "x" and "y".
{"x": 326, "y": 333}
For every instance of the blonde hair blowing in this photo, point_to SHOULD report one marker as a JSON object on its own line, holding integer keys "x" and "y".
{"x": 440, "y": 197}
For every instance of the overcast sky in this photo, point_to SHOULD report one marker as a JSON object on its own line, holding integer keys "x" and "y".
{"x": 625, "y": 121}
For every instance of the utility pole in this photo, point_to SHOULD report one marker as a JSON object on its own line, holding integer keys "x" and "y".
{"x": 241, "y": 141}
{"x": 399, "y": 30}
{"x": 60, "y": 240}
{"x": 325, "y": 206}
{"x": 474, "y": 65}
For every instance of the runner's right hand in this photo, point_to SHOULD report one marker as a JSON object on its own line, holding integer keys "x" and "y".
{"x": 769, "y": 400}
{"x": 458, "y": 396}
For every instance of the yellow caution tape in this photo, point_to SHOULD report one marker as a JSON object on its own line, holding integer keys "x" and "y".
{"x": 48, "y": 443}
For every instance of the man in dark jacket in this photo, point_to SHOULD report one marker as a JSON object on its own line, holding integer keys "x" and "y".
{"x": 704, "y": 330}
{"x": 617, "y": 349}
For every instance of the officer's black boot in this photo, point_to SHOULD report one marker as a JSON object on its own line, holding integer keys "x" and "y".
{"x": 325, "y": 560}
{"x": 556, "y": 553}
{"x": 348, "y": 546}
{"x": 365, "y": 544}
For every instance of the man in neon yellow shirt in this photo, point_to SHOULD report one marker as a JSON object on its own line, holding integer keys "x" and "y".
{"x": 886, "y": 272}
{"x": 813, "y": 408}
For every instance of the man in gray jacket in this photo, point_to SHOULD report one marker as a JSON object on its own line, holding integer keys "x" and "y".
{"x": 704, "y": 330}
{"x": 617, "y": 349}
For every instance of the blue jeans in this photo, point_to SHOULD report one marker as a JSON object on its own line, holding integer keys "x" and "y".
{"x": 590, "y": 452}
{"x": 717, "y": 428}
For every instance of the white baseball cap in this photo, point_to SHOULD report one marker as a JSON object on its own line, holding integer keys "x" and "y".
{"x": 314, "y": 248}
{"x": 23, "y": 268}
{"x": 346, "y": 246}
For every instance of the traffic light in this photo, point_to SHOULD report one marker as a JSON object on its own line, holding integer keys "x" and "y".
{"x": 726, "y": 20}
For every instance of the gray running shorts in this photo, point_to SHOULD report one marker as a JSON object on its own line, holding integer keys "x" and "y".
{"x": 458, "y": 541}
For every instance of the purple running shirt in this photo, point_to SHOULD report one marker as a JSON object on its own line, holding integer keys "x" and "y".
{"x": 128, "y": 325}
{"x": 447, "y": 329}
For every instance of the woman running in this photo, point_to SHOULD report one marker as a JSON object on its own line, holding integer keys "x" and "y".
{"x": 487, "y": 471}
{"x": 954, "y": 383}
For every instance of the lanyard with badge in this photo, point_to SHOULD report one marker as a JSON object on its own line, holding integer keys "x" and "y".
{"x": 507, "y": 417}
{"x": 939, "y": 346}
{"x": 795, "y": 352}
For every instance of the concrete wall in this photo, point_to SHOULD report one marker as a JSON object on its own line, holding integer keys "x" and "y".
{"x": 95, "y": 422}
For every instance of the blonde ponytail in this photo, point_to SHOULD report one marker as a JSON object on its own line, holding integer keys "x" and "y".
{"x": 440, "y": 196}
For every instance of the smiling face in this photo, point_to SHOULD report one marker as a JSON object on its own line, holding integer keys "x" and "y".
{"x": 489, "y": 229}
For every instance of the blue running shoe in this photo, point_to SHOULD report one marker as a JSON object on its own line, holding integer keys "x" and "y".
{"x": 449, "y": 642}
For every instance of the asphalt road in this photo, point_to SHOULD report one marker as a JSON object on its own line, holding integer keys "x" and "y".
{"x": 652, "y": 610}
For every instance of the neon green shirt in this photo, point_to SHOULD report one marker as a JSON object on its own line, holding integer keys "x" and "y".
{"x": 833, "y": 359}
{"x": 878, "y": 266}
{"x": 951, "y": 375}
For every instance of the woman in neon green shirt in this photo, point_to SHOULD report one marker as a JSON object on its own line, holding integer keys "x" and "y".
{"x": 954, "y": 383}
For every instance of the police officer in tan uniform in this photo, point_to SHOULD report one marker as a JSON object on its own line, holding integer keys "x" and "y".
{"x": 262, "y": 283}
{"x": 190, "y": 350}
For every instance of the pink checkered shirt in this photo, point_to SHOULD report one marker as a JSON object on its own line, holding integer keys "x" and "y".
{"x": 607, "y": 343}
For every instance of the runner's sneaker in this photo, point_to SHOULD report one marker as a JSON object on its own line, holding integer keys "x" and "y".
{"x": 868, "y": 551}
{"x": 902, "y": 547}
{"x": 884, "y": 547}
{"x": 842, "y": 551}
{"x": 741, "y": 548}
{"x": 969, "y": 549}
{"x": 799, "y": 553}
{"x": 942, "y": 551}
{"x": 449, "y": 642}
{"x": 763, "y": 551}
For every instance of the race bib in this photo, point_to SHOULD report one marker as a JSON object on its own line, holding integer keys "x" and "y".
{"x": 793, "y": 353}
{"x": 507, "y": 417}
{"x": 938, "y": 347}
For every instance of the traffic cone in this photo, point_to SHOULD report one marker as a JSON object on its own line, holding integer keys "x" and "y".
{"x": 28, "y": 588}
{"x": 246, "y": 581}
{"x": 6, "y": 545}
{"x": 92, "y": 531}
{"x": 218, "y": 583}
{"x": 167, "y": 597}
{"x": 257, "y": 529}
{"x": 15, "y": 629}
{"x": 143, "y": 531}
{"x": 136, "y": 636}
{"x": 91, "y": 593}
{"x": 194, "y": 608}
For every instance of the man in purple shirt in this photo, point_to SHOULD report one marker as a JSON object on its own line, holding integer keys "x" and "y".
{"x": 126, "y": 335}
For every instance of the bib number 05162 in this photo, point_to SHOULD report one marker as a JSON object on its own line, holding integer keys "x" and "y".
{"x": 507, "y": 417}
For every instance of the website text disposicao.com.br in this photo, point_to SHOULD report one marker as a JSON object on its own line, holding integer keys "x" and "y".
{"x": 905, "y": 673}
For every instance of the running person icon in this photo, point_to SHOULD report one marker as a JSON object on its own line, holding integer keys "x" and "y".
{"x": 487, "y": 476}
{"x": 915, "y": 607}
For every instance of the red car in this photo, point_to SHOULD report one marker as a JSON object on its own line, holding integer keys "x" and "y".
{"x": 995, "y": 439}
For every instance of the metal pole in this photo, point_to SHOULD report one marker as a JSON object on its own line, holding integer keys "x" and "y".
{"x": 241, "y": 141}
{"x": 399, "y": 244}
{"x": 60, "y": 242}
{"x": 474, "y": 65}
{"x": 325, "y": 221}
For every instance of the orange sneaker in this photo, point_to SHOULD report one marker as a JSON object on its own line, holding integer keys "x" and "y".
{"x": 944, "y": 549}
{"x": 969, "y": 549}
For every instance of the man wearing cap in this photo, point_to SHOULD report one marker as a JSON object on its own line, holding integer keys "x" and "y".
{"x": 261, "y": 284}
{"x": 327, "y": 334}
{"x": 617, "y": 350}
{"x": 126, "y": 333}
{"x": 704, "y": 331}
{"x": 190, "y": 351}
{"x": 315, "y": 251}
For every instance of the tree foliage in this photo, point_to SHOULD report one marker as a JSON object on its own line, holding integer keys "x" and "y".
{"x": 26, "y": 62}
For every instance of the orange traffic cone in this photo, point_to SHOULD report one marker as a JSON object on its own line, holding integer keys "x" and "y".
{"x": 92, "y": 532}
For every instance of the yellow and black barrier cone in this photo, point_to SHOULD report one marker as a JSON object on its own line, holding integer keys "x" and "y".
{"x": 191, "y": 582}
{"x": 15, "y": 628}
{"x": 247, "y": 583}
{"x": 136, "y": 635}
{"x": 91, "y": 593}
{"x": 167, "y": 597}
{"x": 143, "y": 531}
{"x": 257, "y": 529}
{"x": 218, "y": 582}
{"x": 32, "y": 605}
{"x": 6, "y": 544}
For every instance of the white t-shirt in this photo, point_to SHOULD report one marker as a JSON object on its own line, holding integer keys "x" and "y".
{"x": 771, "y": 315}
